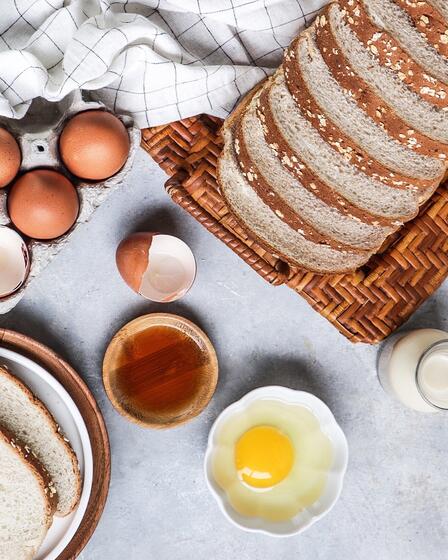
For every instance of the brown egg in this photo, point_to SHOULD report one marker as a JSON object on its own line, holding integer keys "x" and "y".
{"x": 94, "y": 145}
{"x": 10, "y": 157}
{"x": 43, "y": 204}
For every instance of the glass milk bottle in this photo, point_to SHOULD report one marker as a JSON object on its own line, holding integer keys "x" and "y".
{"x": 413, "y": 367}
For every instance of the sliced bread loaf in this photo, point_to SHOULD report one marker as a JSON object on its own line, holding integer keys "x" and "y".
{"x": 357, "y": 129}
{"x": 429, "y": 21}
{"x": 27, "y": 500}
{"x": 296, "y": 201}
{"x": 297, "y": 141}
{"x": 383, "y": 47}
{"x": 387, "y": 15}
{"x": 262, "y": 222}
{"x": 337, "y": 149}
{"x": 25, "y": 416}
{"x": 402, "y": 113}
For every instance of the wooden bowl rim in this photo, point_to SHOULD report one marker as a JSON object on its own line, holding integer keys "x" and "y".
{"x": 162, "y": 319}
{"x": 96, "y": 428}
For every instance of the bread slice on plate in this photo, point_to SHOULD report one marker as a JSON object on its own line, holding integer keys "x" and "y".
{"x": 27, "y": 418}
{"x": 294, "y": 200}
{"x": 389, "y": 16}
{"x": 27, "y": 500}
{"x": 403, "y": 114}
{"x": 310, "y": 80}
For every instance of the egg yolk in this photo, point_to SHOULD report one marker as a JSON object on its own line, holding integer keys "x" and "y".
{"x": 263, "y": 456}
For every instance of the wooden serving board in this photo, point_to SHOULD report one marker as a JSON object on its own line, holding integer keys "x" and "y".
{"x": 96, "y": 428}
{"x": 365, "y": 306}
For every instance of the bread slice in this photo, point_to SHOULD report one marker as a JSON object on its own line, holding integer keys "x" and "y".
{"x": 384, "y": 48}
{"x": 429, "y": 21}
{"x": 356, "y": 129}
{"x": 334, "y": 136}
{"x": 27, "y": 500}
{"x": 25, "y": 416}
{"x": 387, "y": 15}
{"x": 263, "y": 224}
{"x": 441, "y": 6}
{"x": 294, "y": 201}
{"x": 400, "y": 112}
{"x": 297, "y": 140}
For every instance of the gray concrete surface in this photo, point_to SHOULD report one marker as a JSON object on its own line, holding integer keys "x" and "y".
{"x": 394, "y": 503}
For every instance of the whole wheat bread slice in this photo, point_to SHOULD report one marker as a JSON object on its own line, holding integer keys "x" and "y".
{"x": 400, "y": 112}
{"x": 263, "y": 224}
{"x": 356, "y": 127}
{"x": 305, "y": 154}
{"x": 27, "y": 500}
{"x": 429, "y": 21}
{"x": 441, "y": 6}
{"x": 389, "y": 53}
{"x": 389, "y": 16}
{"x": 27, "y": 418}
{"x": 335, "y": 137}
{"x": 293, "y": 200}
{"x": 298, "y": 139}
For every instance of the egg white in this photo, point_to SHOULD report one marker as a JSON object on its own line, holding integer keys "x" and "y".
{"x": 305, "y": 482}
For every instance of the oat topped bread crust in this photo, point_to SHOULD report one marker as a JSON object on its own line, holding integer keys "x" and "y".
{"x": 429, "y": 21}
{"x": 383, "y": 46}
{"x": 370, "y": 101}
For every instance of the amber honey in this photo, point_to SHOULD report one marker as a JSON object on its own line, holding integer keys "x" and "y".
{"x": 161, "y": 373}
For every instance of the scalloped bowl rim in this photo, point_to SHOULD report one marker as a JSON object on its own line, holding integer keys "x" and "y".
{"x": 329, "y": 426}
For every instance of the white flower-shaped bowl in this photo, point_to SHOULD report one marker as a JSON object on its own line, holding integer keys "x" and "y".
{"x": 336, "y": 473}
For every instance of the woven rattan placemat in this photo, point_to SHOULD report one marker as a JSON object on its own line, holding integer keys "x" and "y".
{"x": 365, "y": 306}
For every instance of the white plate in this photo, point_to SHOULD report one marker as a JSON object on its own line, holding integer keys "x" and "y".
{"x": 333, "y": 487}
{"x": 67, "y": 415}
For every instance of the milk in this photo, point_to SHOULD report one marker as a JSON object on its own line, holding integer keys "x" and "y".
{"x": 413, "y": 367}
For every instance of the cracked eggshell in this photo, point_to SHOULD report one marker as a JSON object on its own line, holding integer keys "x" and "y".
{"x": 159, "y": 267}
{"x": 132, "y": 258}
{"x": 14, "y": 261}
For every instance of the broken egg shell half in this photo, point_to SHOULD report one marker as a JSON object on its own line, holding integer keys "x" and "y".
{"x": 160, "y": 267}
{"x": 14, "y": 261}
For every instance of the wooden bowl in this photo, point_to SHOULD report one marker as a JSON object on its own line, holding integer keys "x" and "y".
{"x": 160, "y": 371}
{"x": 94, "y": 421}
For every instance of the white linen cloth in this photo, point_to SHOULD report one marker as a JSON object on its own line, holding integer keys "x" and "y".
{"x": 159, "y": 60}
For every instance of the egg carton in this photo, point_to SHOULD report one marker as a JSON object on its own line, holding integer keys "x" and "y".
{"x": 37, "y": 134}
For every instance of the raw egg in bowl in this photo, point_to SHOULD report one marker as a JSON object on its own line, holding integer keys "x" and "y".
{"x": 276, "y": 460}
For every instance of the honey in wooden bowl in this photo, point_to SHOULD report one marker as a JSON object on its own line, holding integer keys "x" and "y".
{"x": 160, "y": 370}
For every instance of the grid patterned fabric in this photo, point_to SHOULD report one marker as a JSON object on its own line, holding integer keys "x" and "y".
{"x": 159, "y": 60}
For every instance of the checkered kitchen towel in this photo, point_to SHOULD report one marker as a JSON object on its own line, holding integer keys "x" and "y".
{"x": 160, "y": 60}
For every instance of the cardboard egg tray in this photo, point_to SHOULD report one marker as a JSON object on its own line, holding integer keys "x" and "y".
{"x": 37, "y": 134}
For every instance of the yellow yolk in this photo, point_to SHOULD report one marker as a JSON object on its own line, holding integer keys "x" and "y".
{"x": 264, "y": 456}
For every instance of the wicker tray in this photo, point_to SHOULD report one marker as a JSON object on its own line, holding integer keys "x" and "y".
{"x": 365, "y": 306}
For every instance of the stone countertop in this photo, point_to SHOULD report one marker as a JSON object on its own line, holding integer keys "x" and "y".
{"x": 394, "y": 502}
